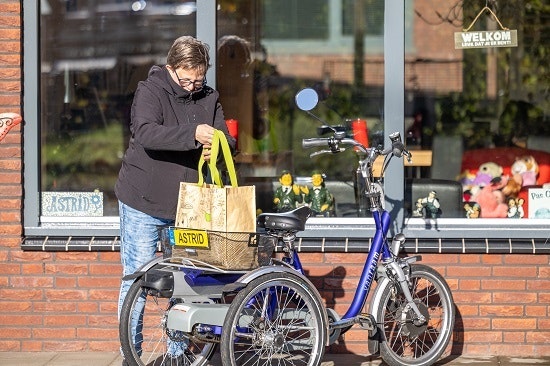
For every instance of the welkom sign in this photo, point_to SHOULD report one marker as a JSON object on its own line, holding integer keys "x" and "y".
{"x": 486, "y": 39}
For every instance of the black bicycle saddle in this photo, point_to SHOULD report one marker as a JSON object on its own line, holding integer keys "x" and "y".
{"x": 294, "y": 220}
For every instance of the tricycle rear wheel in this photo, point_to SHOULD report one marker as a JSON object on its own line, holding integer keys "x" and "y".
{"x": 278, "y": 319}
{"x": 144, "y": 338}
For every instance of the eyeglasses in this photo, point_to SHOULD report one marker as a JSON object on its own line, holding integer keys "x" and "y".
{"x": 186, "y": 83}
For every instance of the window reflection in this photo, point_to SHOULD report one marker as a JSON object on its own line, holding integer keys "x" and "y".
{"x": 93, "y": 53}
{"x": 464, "y": 108}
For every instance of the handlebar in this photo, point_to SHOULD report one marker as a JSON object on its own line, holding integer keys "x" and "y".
{"x": 335, "y": 144}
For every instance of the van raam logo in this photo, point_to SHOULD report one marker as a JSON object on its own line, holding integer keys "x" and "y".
{"x": 72, "y": 203}
{"x": 486, "y": 39}
{"x": 189, "y": 238}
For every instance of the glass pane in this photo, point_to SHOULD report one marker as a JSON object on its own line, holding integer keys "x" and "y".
{"x": 295, "y": 19}
{"x": 275, "y": 51}
{"x": 482, "y": 112}
{"x": 93, "y": 53}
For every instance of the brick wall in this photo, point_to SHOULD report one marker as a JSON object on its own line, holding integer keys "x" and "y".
{"x": 503, "y": 301}
{"x": 67, "y": 301}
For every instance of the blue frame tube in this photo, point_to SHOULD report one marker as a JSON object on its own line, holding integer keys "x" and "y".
{"x": 382, "y": 221}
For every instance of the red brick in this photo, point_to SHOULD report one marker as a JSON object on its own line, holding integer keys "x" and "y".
{"x": 468, "y": 310}
{"x": 489, "y": 284}
{"x": 536, "y": 310}
{"x": 64, "y": 320}
{"x": 469, "y": 271}
{"x": 508, "y": 271}
{"x": 513, "y": 324}
{"x": 528, "y": 260}
{"x": 31, "y": 256}
{"x": 501, "y": 310}
{"x": 21, "y": 320}
{"x": 472, "y": 297}
{"x": 66, "y": 295}
{"x": 65, "y": 345}
{"x": 483, "y": 337}
{"x": 98, "y": 282}
{"x": 32, "y": 268}
{"x": 31, "y": 282}
{"x": 470, "y": 259}
{"x": 54, "y": 333}
{"x": 10, "y": 268}
{"x": 91, "y": 307}
{"x": 516, "y": 350}
{"x": 31, "y": 346}
{"x": 64, "y": 269}
{"x": 339, "y": 258}
{"x": 103, "y": 320}
{"x": 105, "y": 269}
{"x": 10, "y": 346}
{"x": 514, "y": 297}
{"x": 55, "y": 307}
{"x": 78, "y": 257}
{"x": 97, "y": 333}
{"x": 16, "y": 306}
{"x": 543, "y": 285}
{"x": 104, "y": 346}
{"x": 65, "y": 282}
{"x": 538, "y": 337}
{"x": 469, "y": 284}
{"x": 514, "y": 337}
{"x": 28, "y": 294}
{"x": 14, "y": 333}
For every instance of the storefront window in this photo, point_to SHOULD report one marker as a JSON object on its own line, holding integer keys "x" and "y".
{"x": 471, "y": 115}
{"x": 474, "y": 117}
{"x": 286, "y": 46}
{"x": 480, "y": 109}
{"x": 93, "y": 53}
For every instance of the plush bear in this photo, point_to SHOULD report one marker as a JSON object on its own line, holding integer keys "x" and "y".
{"x": 526, "y": 166}
{"x": 486, "y": 173}
{"x": 492, "y": 201}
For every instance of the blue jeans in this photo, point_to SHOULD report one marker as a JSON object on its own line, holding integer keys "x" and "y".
{"x": 138, "y": 245}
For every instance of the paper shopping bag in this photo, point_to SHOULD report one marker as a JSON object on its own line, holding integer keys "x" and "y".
{"x": 222, "y": 216}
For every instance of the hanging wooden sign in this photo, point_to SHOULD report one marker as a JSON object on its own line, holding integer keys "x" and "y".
{"x": 486, "y": 39}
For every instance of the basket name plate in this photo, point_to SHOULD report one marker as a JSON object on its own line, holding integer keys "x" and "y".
{"x": 189, "y": 238}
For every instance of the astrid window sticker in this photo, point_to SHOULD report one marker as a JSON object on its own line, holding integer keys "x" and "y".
{"x": 72, "y": 203}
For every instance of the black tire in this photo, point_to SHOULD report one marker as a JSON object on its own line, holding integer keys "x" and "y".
{"x": 295, "y": 333}
{"x": 152, "y": 337}
{"x": 403, "y": 343}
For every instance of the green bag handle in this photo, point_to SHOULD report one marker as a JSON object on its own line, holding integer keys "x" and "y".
{"x": 219, "y": 140}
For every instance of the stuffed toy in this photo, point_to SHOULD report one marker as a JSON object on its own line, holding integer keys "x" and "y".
{"x": 512, "y": 185}
{"x": 486, "y": 173}
{"x": 527, "y": 167}
{"x": 492, "y": 201}
{"x": 472, "y": 184}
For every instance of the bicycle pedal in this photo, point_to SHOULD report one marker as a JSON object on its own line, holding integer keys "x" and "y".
{"x": 367, "y": 321}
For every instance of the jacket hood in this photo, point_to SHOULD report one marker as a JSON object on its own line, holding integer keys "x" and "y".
{"x": 160, "y": 76}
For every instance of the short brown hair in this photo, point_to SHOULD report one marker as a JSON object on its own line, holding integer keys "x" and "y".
{"x": 190, "y": 54}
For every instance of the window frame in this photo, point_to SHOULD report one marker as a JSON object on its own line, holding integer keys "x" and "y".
{"x": 394, "y": 94}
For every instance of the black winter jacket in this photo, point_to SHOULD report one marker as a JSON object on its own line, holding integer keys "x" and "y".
{"x": 162, "y": 150}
